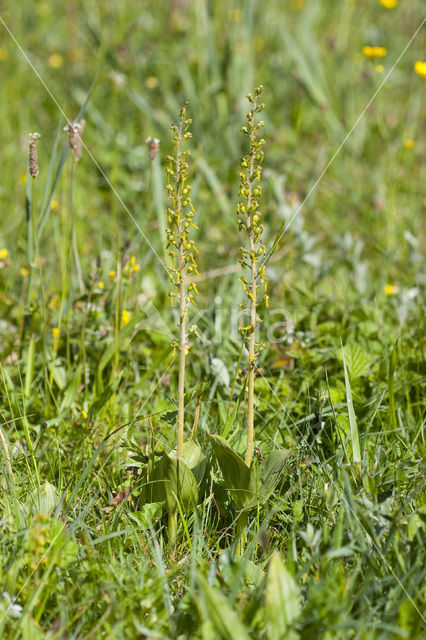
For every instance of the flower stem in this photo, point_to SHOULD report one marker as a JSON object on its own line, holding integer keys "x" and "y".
{"x": 182, "y": 352}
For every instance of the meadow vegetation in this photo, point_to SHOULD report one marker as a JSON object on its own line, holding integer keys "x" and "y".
{"x": 247, "y": 462}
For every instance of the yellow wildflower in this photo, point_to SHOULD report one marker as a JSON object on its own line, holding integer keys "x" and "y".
{"x": 409, "y": 144}
{"x": 259, "y": 43}
{"x": 101, "y": 285}
{"x": 54, "y": 205}
{"x": 3, "y": 254}
{"x": 111, "y": 274}
{"x": 132, "y": 260}
{"x": 372, "y": 53}
{"x": 24, "y": 178}
{"x": 420, "y": 68}
{"x": 125, "y": 317}
{"x": 83, "y": 414}
{"x": 389, "y": 4}
{"x": 236, "y": 15}
{"x": 135, "y": 268}
{"x": 55, "y": 61}
{"x": 55, "y": 332}
{"x": 380, "y": 68}
{"x": 151, "y": 82}
{"x": 25, "y": 272}
{"x": 391, "y": 289}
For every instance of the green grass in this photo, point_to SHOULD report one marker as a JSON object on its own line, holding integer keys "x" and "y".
{"x": 335, "y": 546}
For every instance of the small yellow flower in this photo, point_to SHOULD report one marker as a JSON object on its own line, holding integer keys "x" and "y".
{"x": 125, "y": 317}
{"x": 3, "y": 254}
{"x": 132, "y": 260}
{"x": 372, "y": 53}
{"x": 259, "y": 43}
{"x": 24, "y": 178}
{"x": 151, "y": 82}
{"x": 101, "y": 285}
{"x": 420, "y": 68}
{"x": 3, "y": 54}
{"x": 391, "y": 289}
{"x": 83, "y": 414}
{"x": 241, "y": 47}
{"x": 380, "y": 68}
{"x": 236, "y": 15}
{"x": 55, "y": 332}
{"x": 25, "y": 272}
{"x": 389, "y": 4}
{"x": 54, "y": 205}
{"x": 55, "y": 61}
{"x": 54, "y": 301}
{"x": 409, "y": 144}
{"x": 111, "y": 274}
{"x": 135, "y": 268}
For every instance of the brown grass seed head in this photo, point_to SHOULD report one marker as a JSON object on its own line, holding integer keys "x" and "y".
{"x": 32, "y": 154}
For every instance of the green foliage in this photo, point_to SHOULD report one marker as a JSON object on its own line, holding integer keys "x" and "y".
{"x": 105, "y": 534}
{"x": 282, "y": 606}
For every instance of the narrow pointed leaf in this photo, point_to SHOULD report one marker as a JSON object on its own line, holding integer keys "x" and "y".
{"x": 270, "y": 473}
{"x": 223, "y": 618}
{"x": 356, "y": 451}
{"x": 282, "y": 606}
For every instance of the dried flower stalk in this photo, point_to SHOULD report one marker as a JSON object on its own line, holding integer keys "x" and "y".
{"x": 153, "y": 147}
{"x": 75, "y": 133}
{"x": 32, "y": 154}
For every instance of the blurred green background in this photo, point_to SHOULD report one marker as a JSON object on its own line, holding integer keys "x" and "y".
{"x": 142, "y": 61}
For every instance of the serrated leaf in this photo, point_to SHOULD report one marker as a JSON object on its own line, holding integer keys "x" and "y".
{"x": 282, "y": 605}
{"x": 148, "y": 514}
{"x": 357, "y": 360}
{"x": 356, "y": 451}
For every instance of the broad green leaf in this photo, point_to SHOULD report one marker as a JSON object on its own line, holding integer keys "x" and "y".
{"x": 270, "y": 472}
{"x": 174, "y": 483}
{"x": 72, "y": 389}
{"x": 416, "y": 521}
{"x": 239, "y": 480}
{"x": 60, "y": 376}
{"x": 191, "y": 454}
{"x": 223, "y": 618}
{"x": 62, "y": 544}
{"x": 282, "y": 605}
{"x": 356, "y": 451}
{"x": 149, "y": 513}
{"x": 44, "y": 499}
{"x": 195, "y": 459}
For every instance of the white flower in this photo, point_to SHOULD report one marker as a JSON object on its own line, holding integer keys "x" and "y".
{"x": 13, "y": 610}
